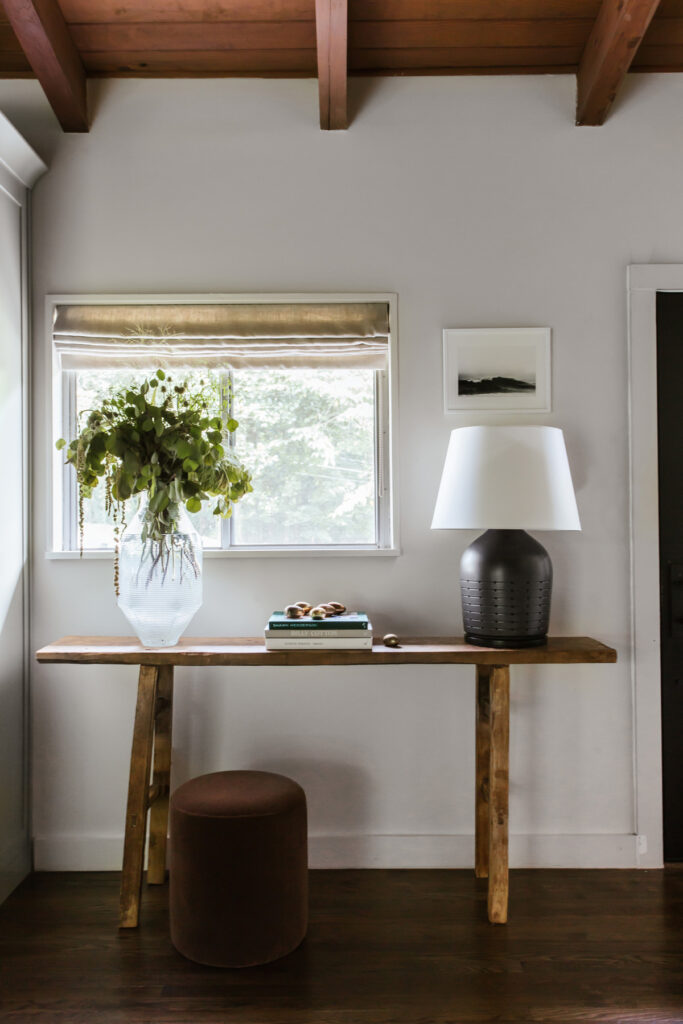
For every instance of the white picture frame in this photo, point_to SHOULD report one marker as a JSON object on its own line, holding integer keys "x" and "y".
{"x": 497, "y": 369}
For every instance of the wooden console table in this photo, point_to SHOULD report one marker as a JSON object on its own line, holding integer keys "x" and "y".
{"x": 151, "y": 751}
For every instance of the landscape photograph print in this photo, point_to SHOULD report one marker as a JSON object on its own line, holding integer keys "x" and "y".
{"x": 497, "y": 369}
{"x": 492, "y": 370}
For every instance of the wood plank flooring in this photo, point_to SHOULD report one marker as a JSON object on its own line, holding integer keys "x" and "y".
{"x": 384, "y": 947}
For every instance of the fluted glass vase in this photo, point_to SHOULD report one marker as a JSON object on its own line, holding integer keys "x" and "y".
{"x": 160, "y": 575}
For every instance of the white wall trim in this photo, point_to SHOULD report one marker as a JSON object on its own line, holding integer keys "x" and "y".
{"x": 103, "y": 853}
{"x": 19, "y": 158}
{"x": 96, "y": 554}
{"x": 20, "y": 168}
{"x": 644, "y": 281}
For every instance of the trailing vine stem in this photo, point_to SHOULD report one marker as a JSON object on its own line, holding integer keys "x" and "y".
{"x": 80, "y": 464}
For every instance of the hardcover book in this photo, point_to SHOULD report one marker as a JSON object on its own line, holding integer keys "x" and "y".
{"x": 349, "y": 620}
{"x": 329, "y": 634}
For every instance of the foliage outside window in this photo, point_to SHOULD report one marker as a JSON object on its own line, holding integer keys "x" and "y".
{"x": 308, "y": 438}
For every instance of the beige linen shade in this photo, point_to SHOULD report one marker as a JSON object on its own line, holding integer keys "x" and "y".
{"x": 286, "y": 335}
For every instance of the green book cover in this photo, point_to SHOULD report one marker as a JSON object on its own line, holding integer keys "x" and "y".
{"x": 349, "y": 620}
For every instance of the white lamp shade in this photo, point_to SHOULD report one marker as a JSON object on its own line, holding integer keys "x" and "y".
{"x": 506, "y": 478}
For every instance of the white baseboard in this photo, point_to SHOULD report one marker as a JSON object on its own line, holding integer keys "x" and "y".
{"x": 77, "y": 853}
{"x": 103, "y": 853}
{"x": 457, "y": 851}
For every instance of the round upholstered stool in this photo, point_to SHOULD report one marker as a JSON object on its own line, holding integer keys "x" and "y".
{"x": 238, "y": 868}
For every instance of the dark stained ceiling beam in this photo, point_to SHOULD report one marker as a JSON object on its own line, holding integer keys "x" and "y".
{"x": 45, "y": 39}
{"x": 613, "y": 43}
{"x": 331, "y": 26}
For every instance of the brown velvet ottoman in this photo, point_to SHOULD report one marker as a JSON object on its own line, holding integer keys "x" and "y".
{"x": 238, "y": 868}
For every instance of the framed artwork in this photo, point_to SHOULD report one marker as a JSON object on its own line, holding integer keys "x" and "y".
{"x": 496, "y": 369}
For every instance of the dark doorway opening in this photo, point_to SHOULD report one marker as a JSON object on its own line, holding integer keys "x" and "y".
{"x": 670, "y": 442}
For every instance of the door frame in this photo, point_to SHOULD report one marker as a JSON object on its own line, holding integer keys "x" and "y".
{"x": 644, "y": 281}
{"x": 20, "y": 168}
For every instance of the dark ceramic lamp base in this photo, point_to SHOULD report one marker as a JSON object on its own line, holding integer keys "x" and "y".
{"x": 506, "y": 580}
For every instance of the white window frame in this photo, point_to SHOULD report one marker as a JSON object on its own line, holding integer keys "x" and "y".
{"x": 62, "y": 494}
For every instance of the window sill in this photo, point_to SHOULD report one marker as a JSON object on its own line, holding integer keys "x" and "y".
{"x": 211, "y": 553}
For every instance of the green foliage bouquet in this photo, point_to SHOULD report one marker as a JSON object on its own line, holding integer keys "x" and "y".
{"x": 157, "y": 438}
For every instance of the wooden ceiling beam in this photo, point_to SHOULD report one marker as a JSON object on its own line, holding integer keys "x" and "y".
{"x": 331, "y": 26}
{"x": 186, "y": 11}
{"x": 45, "y": 39}
{"x": 613, "y": 43}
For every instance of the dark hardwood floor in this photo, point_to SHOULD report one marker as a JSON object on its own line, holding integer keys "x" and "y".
{"x": 387, "y": 947}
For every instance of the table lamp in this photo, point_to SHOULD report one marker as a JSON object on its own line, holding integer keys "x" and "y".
{"x": 506, "y": 480}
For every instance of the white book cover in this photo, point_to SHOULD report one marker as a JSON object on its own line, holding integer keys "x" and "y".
{"x": 318, "y": 643}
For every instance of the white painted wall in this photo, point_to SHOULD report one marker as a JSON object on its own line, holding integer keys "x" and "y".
{"x": 479, "y": 203}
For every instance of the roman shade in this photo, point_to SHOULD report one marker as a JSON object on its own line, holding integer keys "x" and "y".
{"x": 286, "y": 335}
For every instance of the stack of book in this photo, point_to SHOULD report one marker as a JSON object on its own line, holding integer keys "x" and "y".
{"x": 351, "y": 631}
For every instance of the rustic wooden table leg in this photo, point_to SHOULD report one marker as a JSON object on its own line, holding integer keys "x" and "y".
{"x": 498, "y": 794}
{"x": 138, "y": 798}
{"x": 161, "y": 778}
{"x": 483, "y": 740}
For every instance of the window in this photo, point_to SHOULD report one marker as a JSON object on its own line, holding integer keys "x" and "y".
{"x": 308, "y": 381}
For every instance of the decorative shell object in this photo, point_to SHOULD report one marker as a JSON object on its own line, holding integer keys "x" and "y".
{"x": 390, "y": 640}
{"x": 321, "y": 611}
{"x": 293, "y": 611}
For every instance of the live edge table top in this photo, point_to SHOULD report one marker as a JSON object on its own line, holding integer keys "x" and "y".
{"x": 112, "y": 650}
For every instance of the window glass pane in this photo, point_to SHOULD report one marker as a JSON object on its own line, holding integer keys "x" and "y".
{"x": 308, "y": 438}
{"x": 92, "y": 386}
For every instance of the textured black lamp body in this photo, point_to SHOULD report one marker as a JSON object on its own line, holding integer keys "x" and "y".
{"x": 506, "y": 480}
{"x": 506, "y": 580}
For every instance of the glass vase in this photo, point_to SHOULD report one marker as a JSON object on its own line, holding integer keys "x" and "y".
{"x": 160, "y": 576}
